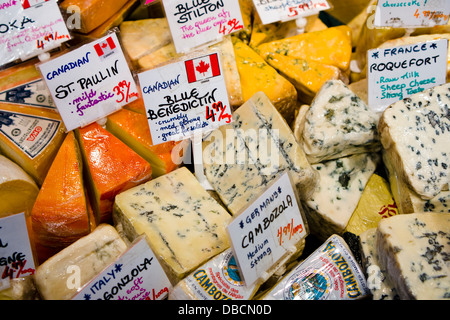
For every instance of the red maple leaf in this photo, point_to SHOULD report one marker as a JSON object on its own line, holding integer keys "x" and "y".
{"x": 202, "y": 67}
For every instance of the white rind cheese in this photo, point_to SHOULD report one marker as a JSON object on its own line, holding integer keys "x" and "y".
{"x": 379, "y": 285}
{"x": 414, "y": 249}
{"x": 338, "y": 124}
{"x": 341, "y": 185}
{"x": 242, "y": 158}
{"x": 184, "y": 225}
{"x": 415, "y": 132}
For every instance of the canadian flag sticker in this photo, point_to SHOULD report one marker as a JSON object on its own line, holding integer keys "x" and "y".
{"x": 202, "y": 68}
{"x": 105, "y": 48}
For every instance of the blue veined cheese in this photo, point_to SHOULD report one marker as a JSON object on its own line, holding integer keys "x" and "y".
{"x": 415, "y": 133}
{"x": 338, "y": 124}
{"x": 380, "y": 286}
{"x": 184, "y": 225}
{"x": 414, "y": 249}
{"x": 240, "y": 159}
{"x": 341, "y": 184}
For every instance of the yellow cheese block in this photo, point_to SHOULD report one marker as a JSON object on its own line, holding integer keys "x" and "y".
{"x": 246, "y": 7}
{"x": 31, "y": 137}
{"x": 262, "y": 33}
{"x": 92, "y": 12}
{"x": 18, "y": 190}
{"x": 307, "y": 76}
{"x": 257, "y": 75}
{"x": 332, "y": 46}
{"x": 17, "y": 75}
{"x": 375, "y": 204}
{"x": 142, "y": 37}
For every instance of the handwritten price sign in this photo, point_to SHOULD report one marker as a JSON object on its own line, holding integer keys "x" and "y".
{"x": 91, "y": 82}
{"x": 194, "y": 23}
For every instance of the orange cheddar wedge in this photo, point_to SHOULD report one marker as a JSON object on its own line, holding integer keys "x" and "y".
{"x": 111, "y": 166}
{"x": 133, "y": 129}
{"x": 61, "y": 213}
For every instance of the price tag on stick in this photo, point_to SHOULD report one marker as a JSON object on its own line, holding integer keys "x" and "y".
{"x": 267, "y": 231}
{"x": 90, "y": 82}
{"x": 398, "y": 72}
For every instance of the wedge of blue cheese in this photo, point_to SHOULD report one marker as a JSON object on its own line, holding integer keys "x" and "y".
{"x": 240, "y": 159}
{"x": 338, "y": 124}
{"x": 184, "y": 225}
{"x": 61, "y": 276}
{"x": 415, "y": 133}
{"x": 341, "y": 184}
{"x": 414, "y": 249}
{"x": 377, "y": 282}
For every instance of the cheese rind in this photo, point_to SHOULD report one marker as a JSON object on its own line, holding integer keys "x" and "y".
{"x": 242, "y": 158}
{"x": 184, "y": 225}
{"x": 421, "y": 157}
{"x": 84, "y": 259}
{"x": 341, "y": 184}
{"x": 338, "y": 124}
{"x": 414, "y": 250}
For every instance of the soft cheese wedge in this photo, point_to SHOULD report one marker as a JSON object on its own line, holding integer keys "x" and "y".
{"x": 82, "y": 260}
{"x": 421, "y": 157}
{"x": 337, "y": 124}
{"x": 112, "y": 167}
{"x": 341, "y": 184}
{"x": 18, "y": 190}
{"x": 184, "y": 225}
{"x": 257, "y": 75}
{"x": 133, "y": 129}
{"x": 242, "y": 158}
{"x": 414, "y": 250}
{"x": 61, "y": 214}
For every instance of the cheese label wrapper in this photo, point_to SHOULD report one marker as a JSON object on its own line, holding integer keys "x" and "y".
{"x": 329, "y": 273}
{"x": 33, "y": 94}
{"x": 399, "y": 72}
{"x": 16, "y": 256}
{"x": 29, "y": 30}
{"x": 135, "y": 275}
{"x": 268, "y": 230}
{"x": 194, "y": 23}
{"x": 31, "y": 134}
{"x": 416, "y": 13}
{"x": 185, "y": 98}
{"x": 91, "y": 82}
{"x": 284, "y": 10}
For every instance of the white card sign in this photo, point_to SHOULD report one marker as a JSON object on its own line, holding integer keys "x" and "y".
{"x": 193, "y": 23}
{"x": 136, "y": 275}
{"x": 27, "y": 29}
{"x": 16, "y": 257}
{"x": 267, "y": 230}
{"x": 284, "y": 10}
{"x": 398, "y": 72}
{"x": 411, "y": 13}
{"x": 90, "y": 82}
{"x": 185, "y": 98}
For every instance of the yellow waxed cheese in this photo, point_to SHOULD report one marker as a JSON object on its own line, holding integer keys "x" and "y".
{"x": 306, "y": 75}
{"x": 257, "y": 75}
{"x": 18, "y": 190}
{"x": 375, "y": 204}
{"x": 332, "y": 46}
{"x": 31, "y": 137}
{"x": 92, "y": 12}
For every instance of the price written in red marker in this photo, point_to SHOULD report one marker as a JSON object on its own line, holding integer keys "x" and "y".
{"x": 123, "y": 91}
{"x": 51, "y": 38}
{"x": 232, "y": 25}
{"x": 216, "y": 108}
{"x": 288, "y": 230}
{"x": 438, "y": 16}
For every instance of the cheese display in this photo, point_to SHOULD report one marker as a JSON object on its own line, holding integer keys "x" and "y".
{"x": 413, "y": 249}
{"x": 85, "y": 258}
{"x": 18, "y": 191}
{"x": 184, "y": 225}
{"x": 338, "y": 124}
{"x": 422, "y": 157}
{"x": 372, "y": 186}
{"x": 112, "y": 167}
{"x": 241, "y": 158}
